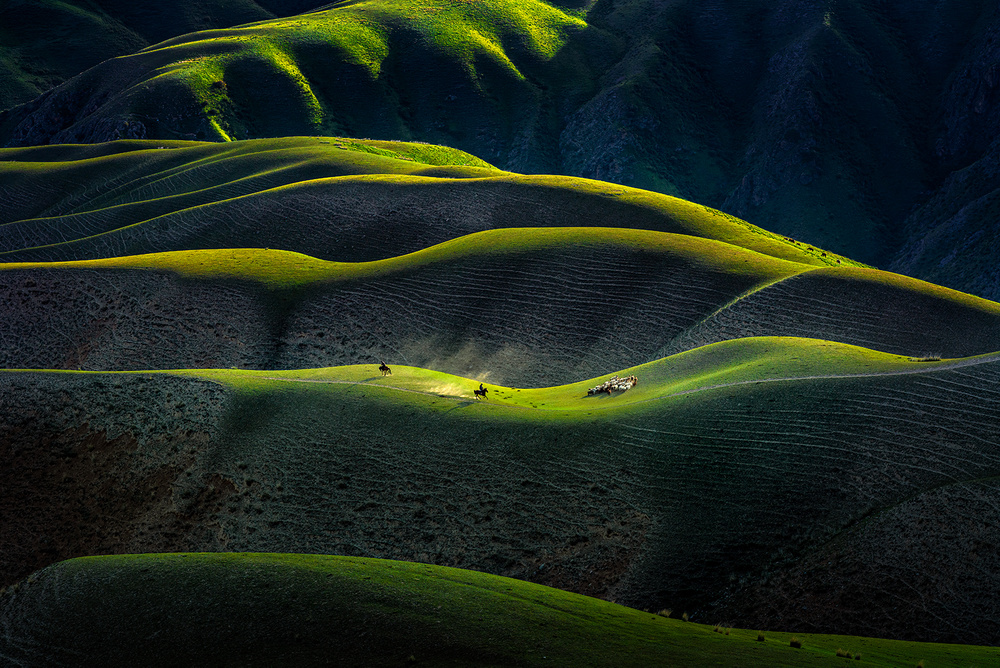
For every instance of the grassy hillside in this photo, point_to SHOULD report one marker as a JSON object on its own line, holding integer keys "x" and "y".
{"x": 338, "y": 199}
{"x": 434, "y": 69}
{"x": 354, "y": 611}
{"x": 45, "y": 42}
{"x": 524, "y": 306}
{"x": 860, "y": 306}
{"x": 858, "y": 128}
{"x": 528, "y": 306}
{"x": 724, "y": 467}
{"x": 194, "y": 315}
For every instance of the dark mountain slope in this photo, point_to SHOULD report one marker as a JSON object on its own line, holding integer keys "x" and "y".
{"x": 954, "y": 238}
{"x": 892, "y": 559}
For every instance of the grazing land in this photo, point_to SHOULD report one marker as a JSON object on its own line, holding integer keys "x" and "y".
{"x": 725, "y": 469}
{"x": 865, "y": 128}
{"x": 614, "y": 372}
{"x": 263, "y": 609}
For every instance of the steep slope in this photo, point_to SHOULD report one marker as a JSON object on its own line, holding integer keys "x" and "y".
{"x": 722, "y": 465}
{"x": 952, "y": 239}
{"x": 353, "y": 611}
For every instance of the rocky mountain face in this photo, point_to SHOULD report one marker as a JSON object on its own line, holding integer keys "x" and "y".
{"x": 850, "y": 124}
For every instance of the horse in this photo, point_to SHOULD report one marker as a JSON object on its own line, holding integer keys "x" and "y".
{"x": 481, "y": 392}
{"x": 386, "y": 371}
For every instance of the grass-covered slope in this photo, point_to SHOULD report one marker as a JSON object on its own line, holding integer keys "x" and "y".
{"x": 269, "y": 609}
{"x": 338, "y": 199}
{"x": 45, "y": 42}
{"x": 859, "y": 128}
{"x": 434, "y": 69}
{"x": 529, "y": 306}
{"x": 522, "y": 306}
{"x": 725, "y": 466}
{"x": 73, "y": 202}
{"x": 860, "y": 306}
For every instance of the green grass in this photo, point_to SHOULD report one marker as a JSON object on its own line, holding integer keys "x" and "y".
{"x": 102, "y": 192}
{"x": 283, "y": 269}
{"x": 259, "y": 609}
{"x": 132, "y": 155}
{"x": 207, "y": 84}
{"x": 595, "y": 89}
{"x": 913, "y": 285}
{"x": 360, "y": 30}
{"x": 742, "y": 363}
{"x": 722, "y": 465}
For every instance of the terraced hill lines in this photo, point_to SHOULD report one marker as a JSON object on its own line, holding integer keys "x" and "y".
{"x": 522, "y": 306}
{"x": 724, "y": 464}
{"x": 336, "y": 199}
{"x": 863, "y": 307}
{"x": 56, "y": 195}
{"x": 355, "y": 611}
{"x": 525, "y": 305}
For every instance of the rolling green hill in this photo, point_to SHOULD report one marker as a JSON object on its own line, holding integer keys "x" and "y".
{"x": 194, "y": 315}
{"x": 524, "y": 306}
{"x": 267, "y": 609}
{"x": 727, "y": 469}
{"x": 792, "y": 411}
{"x": 45, "y": 42}
{"x": 359, "y": 68}
{"x": 860, "y": 128}
{"x": 337, "y": 199}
